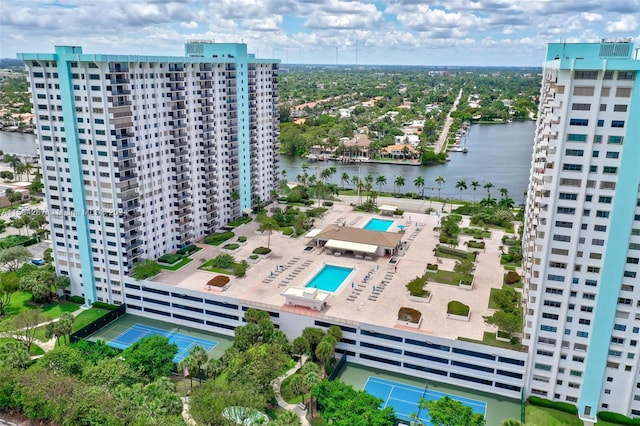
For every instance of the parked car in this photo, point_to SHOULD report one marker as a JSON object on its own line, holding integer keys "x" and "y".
{"x": 38, "y": 262}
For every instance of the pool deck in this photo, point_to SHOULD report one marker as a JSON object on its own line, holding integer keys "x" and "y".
{"x": 263, "y": 285}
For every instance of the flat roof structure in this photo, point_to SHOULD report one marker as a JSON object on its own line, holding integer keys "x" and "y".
{"x": 351, "y": 246}
{"x": 359, "y": 235}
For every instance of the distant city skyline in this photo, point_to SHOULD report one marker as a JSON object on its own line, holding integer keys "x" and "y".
{"x": 381, "y": 32}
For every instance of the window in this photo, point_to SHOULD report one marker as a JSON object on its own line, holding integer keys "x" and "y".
{"x": 633, "y": 260}
{"x": 602, "y": 213}
{"x": 603, "y": 107}
{"x": 568, "y": 196}
{"x": 566, "y": 210}
{"x": 574, "y": 152}
{"x": 615, "y": 140}
{"x": 605, "y": 199}
{"x": 576, "y": 137}
{"x": 623, "y": 92}
{"x": 563, "y": 238}
{"x": 585, "y": 75}
{"x": 584, "y": 334}
{"x": 625, "y": 75}
{"x": 583, "y": 91}
{"x": 548, "y": 328}
{"x": 620, "y": 108}
{"x": 617, "y": 123}
{"x": 610, "y": 170}
{"x": 600, "y": 228}
{"x": 613, "y": 154}
{"x": 578, "y": 122}
{"x": 600, "y": 123}
{"x": 561, "y": 224}
{"x": 552, "y": 277}
{"x": 581, "y": 107}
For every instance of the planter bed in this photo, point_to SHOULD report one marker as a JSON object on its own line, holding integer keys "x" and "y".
{"x": 418, "y": 299}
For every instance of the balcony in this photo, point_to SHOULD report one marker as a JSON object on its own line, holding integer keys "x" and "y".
{"x": 130, "y": 225}
{"x": 128, "y": 195}
{"x": 132, "y": 245}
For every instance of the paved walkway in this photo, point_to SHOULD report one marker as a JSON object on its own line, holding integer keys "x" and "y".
{"x": 51, "y": 343}
{"x": 442, "y": 141}
{"x": 302, "y": 413}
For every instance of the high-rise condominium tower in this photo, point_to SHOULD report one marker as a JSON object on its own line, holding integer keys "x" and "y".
{"x": 141, "y": 155}
{"x": 582, "y": 231}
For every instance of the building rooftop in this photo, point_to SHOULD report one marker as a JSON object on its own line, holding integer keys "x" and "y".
{"x": 266, "y": 284}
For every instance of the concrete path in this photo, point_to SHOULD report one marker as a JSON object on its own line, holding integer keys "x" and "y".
{"x": 301, "y": 412}
{"x": 442, "y": 141}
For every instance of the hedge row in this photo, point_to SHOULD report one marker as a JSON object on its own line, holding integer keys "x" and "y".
{"x": 170, "y": 258}
{"x": 617, "y": 418}
{"x": 185, "y": 251}
{"x": 102, "y": 305}
{"x": 218, "y": 237}
{"x": 457, "y": 253}
{"x": 556, "y": 405}
{"x": 77, "y": 299}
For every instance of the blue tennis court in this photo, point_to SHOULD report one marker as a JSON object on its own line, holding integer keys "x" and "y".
{"x": 184, "y": 342}
{"x": 405, "y": 398}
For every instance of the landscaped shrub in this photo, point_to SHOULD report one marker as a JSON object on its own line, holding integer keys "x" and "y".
{"x": 327, "y": 203}
{"x": 511, "y": 277}
{"x": 399, "y": 212}
{"x": 232, "y": 246}
{"x": 254, "y": 257}
{"x": 223, "y": 261}
{"x": 240, "y": 221}
{"x": 617, "y": 418}
{"x": 218, "y": 281}
{"x": 409, "y": 315}
{"x": 187, "y": 250}
{"x": 242, "y": 239}
{"x": 287, "y": 230}
{"x": 77, "y": 299}
{"x": 475, "y": 244}
{"x": 218, "y": 238}
{"x": 455, "y": 252}
{"x": 170, "y": 258}
{"x": 556, "y": 405}
{"x": 416, "y": 287}
{"x": 432, "y": 267}
{"x": 507, "y": 241}
{"x": 16, "y": 240}
{"x": 102, "y": 305}
{"x": 316, "y": 212}
{"x": 262, "y": 250}
{"x": 457, "y": 308}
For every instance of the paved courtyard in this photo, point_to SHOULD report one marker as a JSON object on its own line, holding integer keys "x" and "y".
{"x": 265, "y": 281}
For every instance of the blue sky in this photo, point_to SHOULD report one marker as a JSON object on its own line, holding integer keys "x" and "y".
{"x": 405, "y": 32}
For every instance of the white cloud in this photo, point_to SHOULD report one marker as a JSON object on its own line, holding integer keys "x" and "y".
{"x": 591, "y": 17}
{"x": 625, "y": 24}
{"x": 190, "y": 25}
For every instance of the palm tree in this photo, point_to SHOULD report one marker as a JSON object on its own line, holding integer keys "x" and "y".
{"x": 311, "y": 380}
{"x": 511, "y": 422}
{"x": 296, "y": 385}
{"x": 325, "y": 174}
{"x": 214, "y": 368}
{"x": 18, "y": 224}
{"x": 488, "y": 187}
{"x": 440, "y": 181}
{"x": 381, "y": 180}
{"x": 504, "y": 192}
{"x": 419, "y": 183}
{"x": 461, "y": 185}
{"x": 284, "y": 174}
{"x": 324, "y": 352}
{"x": 344, "y": 179}
{"x": 188, "y": 366}
{"x": 200, "y": 358}
{"x": 28, "y": 167}
{"x": 269, "y": 225}
{"x": 474, "y": 184}
{"x": 300, "y": 346}
{"x": 354, "y": 180}
{"x": 399, "y": 182}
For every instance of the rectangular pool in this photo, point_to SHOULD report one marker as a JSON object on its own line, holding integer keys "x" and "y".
{"x": 330, "y": 278}
{"x": 381, "y": 225}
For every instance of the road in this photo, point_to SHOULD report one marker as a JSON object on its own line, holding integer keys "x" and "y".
{"x": 442, "y": 141}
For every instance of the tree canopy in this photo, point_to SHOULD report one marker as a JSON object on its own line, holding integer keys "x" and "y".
{"x": 151, "y": 356}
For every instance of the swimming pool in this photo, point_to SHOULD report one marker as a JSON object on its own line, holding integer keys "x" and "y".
{"x": 330, "y": 278}
{"x": 381, "y": 225}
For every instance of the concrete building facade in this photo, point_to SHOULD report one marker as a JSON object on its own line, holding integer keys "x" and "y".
{"x": 142, "y": 155}
{"x": 581, "y": 239}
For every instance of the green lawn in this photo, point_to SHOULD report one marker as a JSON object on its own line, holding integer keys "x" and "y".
{"x": 240, "y": 221}
{"x": 87, "y": 317}
{"x": 541, "y": 416}
{"x": 19, "y": 302}
{"x": 56, "y": 309}
{"x": 445, "y": 277}
{"x": 177, "y": 265}
{"x": 447, "y": 255}
{"x": 35, "y": 349}
{"x": 495, "y": 292}
{"x": 489, "y": 339}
